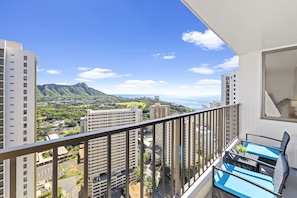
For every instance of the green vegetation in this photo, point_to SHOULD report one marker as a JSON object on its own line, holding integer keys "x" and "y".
{"x": 241, "y": 148}
{"x": 70, "y": 173}
{"x": 141, "y": 105}
{"x": 48, "y": 194}
{"x": 47, "y": 154}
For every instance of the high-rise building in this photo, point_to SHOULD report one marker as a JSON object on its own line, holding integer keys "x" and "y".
{"x": 160, "y": 111}
{"x": 228, "y": 89}
{"x": 228, "y": 97}
{"x": 99, "y": 119}
{"x": 17, "y": 114}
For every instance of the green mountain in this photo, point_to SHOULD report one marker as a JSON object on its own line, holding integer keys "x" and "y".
{"x": 77, "y": 90}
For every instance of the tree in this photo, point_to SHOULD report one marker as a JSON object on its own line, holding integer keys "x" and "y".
{"x": 148, "y": 182}
{"x": 137, "y": 173}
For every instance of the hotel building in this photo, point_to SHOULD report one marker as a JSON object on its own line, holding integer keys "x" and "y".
{"x": 17, "y": 114}
{"x": 97, "y": 164}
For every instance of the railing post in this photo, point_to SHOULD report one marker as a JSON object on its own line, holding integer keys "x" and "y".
{"x": 108, "y": 165}
{"x": 177, "y": 158}
{"x": 154, "y": 161}
{"x": 55, "y": 173}
{"x": 12, "y": 181}
{"x": 141, "y": 163}
{"x": 86, "y": 170}
{"x": 127, "y": 163}
{"x": 220, "y": 132}
{"x": 163, "y": 159}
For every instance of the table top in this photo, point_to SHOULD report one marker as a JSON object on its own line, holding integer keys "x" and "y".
{"x": 243, "y": 160}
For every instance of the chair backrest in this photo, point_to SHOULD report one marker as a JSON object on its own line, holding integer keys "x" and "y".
{"x": 281, "y": 172}
{"x": 285, "y": 141}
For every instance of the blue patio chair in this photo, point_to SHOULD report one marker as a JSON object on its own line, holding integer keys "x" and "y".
{"x": 233, "y": 181}
{"x": 270, "y": 153}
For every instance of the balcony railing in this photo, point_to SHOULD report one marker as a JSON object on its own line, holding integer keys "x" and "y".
{"x": 182, "y": 147}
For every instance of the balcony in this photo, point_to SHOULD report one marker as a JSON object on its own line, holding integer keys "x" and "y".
{"x": 192, "y": 141}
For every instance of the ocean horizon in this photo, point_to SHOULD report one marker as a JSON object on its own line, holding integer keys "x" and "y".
{"x": 193, "y": 102}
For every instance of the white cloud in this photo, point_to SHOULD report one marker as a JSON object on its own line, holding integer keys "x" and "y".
{"x": 229, "y": 64}
{"x": 165, "y": 56}
{"x": 54, "y": 72}
{"x": 208, "y": 82}
{"x": 202, "y": 70}
{"x": 83, "y": 68}
{"x": 204, "y": 87}
{"x": 83, "y": 80}
{"x": 169, "y": 57}
{"x": 140, "y": 83}
{"x": 39, "y": 70}
{"x": 97, "y": 73}
{"x": 157, "y": 55}
{"x": 206, "y": 40}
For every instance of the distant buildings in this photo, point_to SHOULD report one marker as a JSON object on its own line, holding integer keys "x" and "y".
{"x": 17, "y": 114}
{"x": 99, "y": 119}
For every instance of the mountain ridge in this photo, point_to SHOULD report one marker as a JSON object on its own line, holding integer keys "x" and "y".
{"x": 56, "y": 90}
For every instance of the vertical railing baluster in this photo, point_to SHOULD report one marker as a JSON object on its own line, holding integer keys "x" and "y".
{"x": 203, "y": 143}
{"x": 127, "y": 164}
{"x": 109, "y": 165}
{"x": 86, "y": 169}
{"x": 12, "y": 175}
{"x": 237, "y": 120}
{"x": 194, "y": 139}
{"x": 212, "y": 135}
{"x": 220, "y": 131}
{"x": 182, "y": 145}
{"x": 163, "y": 159}
{"x": 55, "y": 172}
{"x": 172, "y": 158}
{"x": 199, "y": 144}
{"x": 206, "y": 138}
{"x": 189, "y": 151}
{"x": 141, "y": 163}
{"x": 177, "y": 157}
{"x": 154, "y": 161}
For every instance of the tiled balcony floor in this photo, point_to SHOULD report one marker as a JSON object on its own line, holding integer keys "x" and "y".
{"x": 291, "y": 185}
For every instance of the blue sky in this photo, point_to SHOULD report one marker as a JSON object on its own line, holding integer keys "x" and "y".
{"x": 120, "y": 47}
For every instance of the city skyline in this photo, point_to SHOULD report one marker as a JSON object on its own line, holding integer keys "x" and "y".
{"x": 131, "y": 47}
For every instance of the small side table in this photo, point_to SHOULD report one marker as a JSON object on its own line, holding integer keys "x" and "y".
{"x": 242, "y": 161}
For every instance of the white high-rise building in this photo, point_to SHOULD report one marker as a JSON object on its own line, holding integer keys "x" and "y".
{"x": 17, "y": 114}
{"x": 228, "y": 89}
{"x": 99, "y": 119}
{"x": 228, "y": 97}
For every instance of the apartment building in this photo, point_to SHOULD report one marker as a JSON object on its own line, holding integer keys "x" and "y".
{"x": 17, "y": 114}
{"x": 99, "y": 119}
{"x": 160, "y": 111}
{"x": 228, "y": 97}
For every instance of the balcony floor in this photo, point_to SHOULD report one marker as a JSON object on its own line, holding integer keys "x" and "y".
{"x": 290, "y": 191}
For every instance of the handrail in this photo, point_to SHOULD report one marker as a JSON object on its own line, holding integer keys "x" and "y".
{"x": 17, "y": 151}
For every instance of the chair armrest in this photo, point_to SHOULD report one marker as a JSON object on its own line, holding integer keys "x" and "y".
{"x": 249, "y": 181}
{"x": 261, "y": 136}
{"x": 245, "y": 157}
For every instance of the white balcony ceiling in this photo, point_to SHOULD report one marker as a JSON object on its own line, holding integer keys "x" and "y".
{"x": 251, "y": 25}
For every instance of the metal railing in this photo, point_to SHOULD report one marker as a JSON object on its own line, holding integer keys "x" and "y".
{"x": 185, "y": 145}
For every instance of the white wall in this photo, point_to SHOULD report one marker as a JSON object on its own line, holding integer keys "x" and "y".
{"x": 250, "y": 96}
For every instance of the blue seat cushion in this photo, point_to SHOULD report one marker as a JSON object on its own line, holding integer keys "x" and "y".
{"x": 241, "y": 188}
{"x": 262, "y": 151}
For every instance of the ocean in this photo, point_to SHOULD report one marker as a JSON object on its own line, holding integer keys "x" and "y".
{"x": 188, "y": 101}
